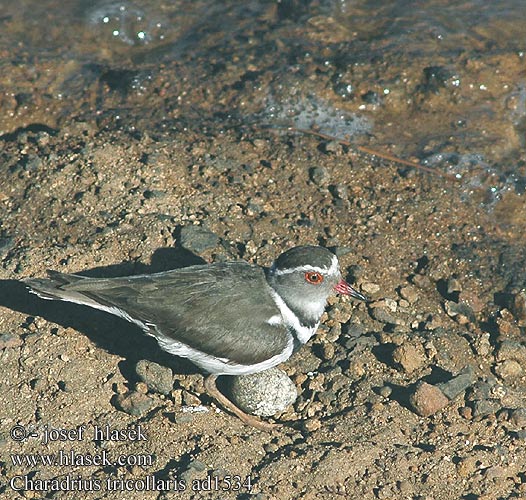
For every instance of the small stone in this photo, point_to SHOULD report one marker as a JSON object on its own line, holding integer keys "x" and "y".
{"x": 507, "y": 325}
{"x": 409, "y": 293}
{"x": 495, "y": 472}
{"x": 197, "y": 239}
{"x": 466, "y": 412}
{"x": 486, "y": 407}
{"x": 482, "y": 344}
{"x": 120, "y": 388}
{"x": 312, "y": 425}
{"x": 383, "y": 315}
{"x": 319, "y": 176}
{"x": 511, "y": 349}
{"x": 405, "y": 488}
{"x": 370, "y": 288}
{"x": 6, "y": 245}
{"x": 141, "y": 387}
{"x": 421, "y": 281}
{"x": 194, "y": 468}
{"x": 467, "y": 466}
{"x": 472, "y": 300}
{"x": 190, "y": 399}
{"x": 462, "y": 313}
{"x": 518, "y": 307}
{"x": 385, "y": 391}
{"x": 453, "y": 285}
{"x": 265, "y": 393}
{"x": 134, "y": 403}
{"x": 427, "y": 399}
{"x": 457, "y": 385}
{"x": 8, "y": 340}
{"x": 158, "y": 378}
{"x": 271, "y": 447}
{"x": 518, "y": 417}
{"x": 327, "y": 351}
{"x": 410, "y": 357}
{"x": 508, "y": 370}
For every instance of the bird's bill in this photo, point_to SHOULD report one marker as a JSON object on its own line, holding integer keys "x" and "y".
{"x": 345, "y": 289}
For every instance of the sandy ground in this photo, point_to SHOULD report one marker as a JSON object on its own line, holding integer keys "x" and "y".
{"x": 420, "y": 394}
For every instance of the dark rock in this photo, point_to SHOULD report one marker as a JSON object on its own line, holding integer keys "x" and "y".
{"x": 457, "y": 385}
{"x": 518, "y": 417}
{"x": 518, "y": 307}
{"x": 134, "y": 403}
{"x": 265, "y": 393}
{"x": 371, "y": 97}
{"x": 427, "y": 399}
{"x": 383, "y": 315}
{"x": 485, "y": 407}
{"x": 6, "y": 244}
{"x": 158, "y": 378}
{"x": 319, "y": 175}
{"x": 197, "y": 239}
{"x": 462, "y": 313}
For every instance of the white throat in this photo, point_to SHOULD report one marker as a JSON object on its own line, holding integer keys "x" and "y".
{"x": 290, "y": 320}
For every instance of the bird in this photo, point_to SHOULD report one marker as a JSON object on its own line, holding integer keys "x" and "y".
{"x": 228, "y": 318}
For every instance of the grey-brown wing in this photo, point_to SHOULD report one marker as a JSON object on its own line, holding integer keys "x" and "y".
{"x": 219, "y": 309}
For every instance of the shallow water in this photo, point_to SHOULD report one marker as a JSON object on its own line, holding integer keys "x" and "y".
{"x": 438, "y": 81}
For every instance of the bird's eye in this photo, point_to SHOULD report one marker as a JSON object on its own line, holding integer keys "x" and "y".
{"x": 314, "y": 278}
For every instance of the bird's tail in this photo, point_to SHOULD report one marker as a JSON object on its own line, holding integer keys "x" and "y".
{"x": 56, "y": 287}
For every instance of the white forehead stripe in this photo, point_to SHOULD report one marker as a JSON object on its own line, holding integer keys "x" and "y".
{"x": 333, "y": 269}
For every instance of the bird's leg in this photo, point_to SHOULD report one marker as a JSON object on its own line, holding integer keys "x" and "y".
{"x": 213, "y": 392}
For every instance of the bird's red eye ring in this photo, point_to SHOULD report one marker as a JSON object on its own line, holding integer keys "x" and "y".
{"x": 313, "y": 277}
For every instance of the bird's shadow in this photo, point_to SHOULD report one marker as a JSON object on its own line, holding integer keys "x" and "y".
{"x": 109, "y": 332}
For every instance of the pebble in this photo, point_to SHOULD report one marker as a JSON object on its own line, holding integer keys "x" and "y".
{"x": 385, "y": 391}
{"x": 134, "y": 403}
{"x": 482, "y": 344}
{"x": 312, "y": 425}
{"x": 427, "y": 399}
{"x": 507, "y": 325}
{"x": 410, "y": 357}
{"x": 486, "y": 407}
{"x": 466, "y": 412}
{"x": 409, "y": 293}
{"x": 383, "y": 315}
{"x": 6, "y": 245}
{"x": 197, "y": 239}
{"x": 9, "y": 340}
{"x": 511, "y": 349}
{"x": 495, "y": 472}
{"x": 190, "y": 399}
{"x": 461, "y": 313}
{"x": 467, "y": 466}
{"x": 158, "y": 378}
{"x": 141, "y": 387}
{"x": 458, "y": 384}
{"x": 453, "y": 285}
{"x": 518, "y": 307}
{"x": 327, "y": 351}
{"x": 265, "y": 393}
{"x": 340, "y": 313}
{"x": 508, "y": 369}
{"x": 193, "y": 469}
{"x": 518, "y": 417}
{"x": 319, "y": 175}
{"x": 370, "y": 288}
